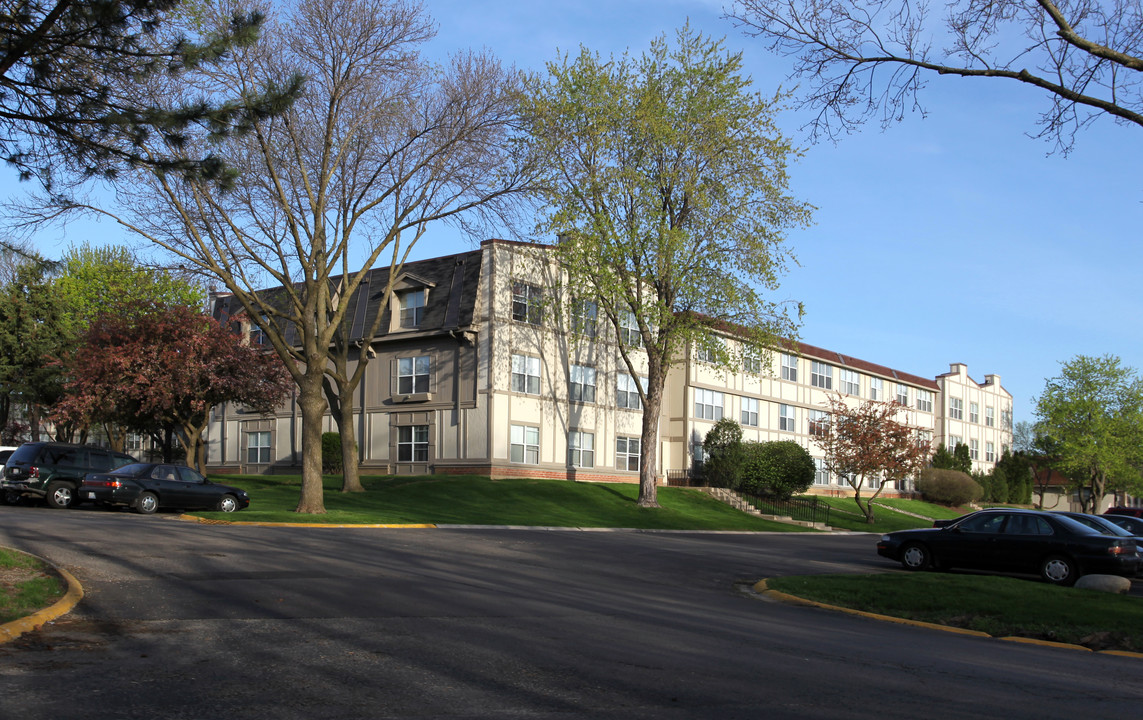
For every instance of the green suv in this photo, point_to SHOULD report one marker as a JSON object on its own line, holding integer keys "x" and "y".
{"x": 53, "y": 471}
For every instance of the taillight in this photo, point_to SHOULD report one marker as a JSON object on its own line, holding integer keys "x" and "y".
{"x": 105, "y": 483}
{"x": 33, "y": 472}
{"x": 1121, "y": 549}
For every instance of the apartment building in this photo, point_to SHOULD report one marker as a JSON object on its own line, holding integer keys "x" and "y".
{"x": 486, "y": 364}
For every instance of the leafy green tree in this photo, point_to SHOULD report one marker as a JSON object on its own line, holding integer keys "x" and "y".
{"x": 1093, "y": 412}
{"x": 68, "y": 78}
{"x": 1018, "y": 472}
{"x": 33, "y": 337}
{"x": 957, "y": 459}
{"x": 107, "y": 280}
{"x": 777, "y": 469}
{"x": 665, "y": 182}
{"x": 948, "y": 487}
{"x": 722, "y": 454}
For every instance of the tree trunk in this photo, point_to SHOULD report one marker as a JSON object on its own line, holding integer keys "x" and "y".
{"x": 648, "y": 491}
{"x": 350, "y": 470}
{"x": 312, "y": 404}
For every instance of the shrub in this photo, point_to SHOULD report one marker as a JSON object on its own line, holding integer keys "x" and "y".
{"x": 330, "y": 453}
{"x": 948, "y": 487}
{"x": 780, "y": 469}
{"x": 722, "y": 447}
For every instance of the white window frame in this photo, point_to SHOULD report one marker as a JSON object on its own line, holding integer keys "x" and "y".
{"x": 414, "y": 374}
{"x": 974, "y": 448}
{"x": 627, "y": 453}
{"x": 581, "y": 384}
{"x": 626, "y": 392}
{"x": 581, "y": 449}
{"x": 629, "y": 333}
{"x": 412, "y": 443}
{"x": 787, "y": 418}
{"x": 902, "y": 395}
{"x": 989, "y": 451}
{"x": 584, "y": 317}
{"x": 709, "y": 404}
{"x": 924, "y": 400}
{"x": 821, "y": 472}
{"x": 850, "y": 382}
{"x": 258, "y": 447}
{"x": 789, "y": 367}
{"x": 990, "y": 416}
{"x": 413, "y": 308}
{"x": 818, "y": 423}
{"x": 876, "y": 388}
{"x": 524, "y": 444}
{"x": 974, "y": 413}
{"x": 750, "y": 408}
{"x": 526, "y": 303}
{"x": 821, "y": 375}
{"x": 751, "y": 360}
{"x": 956, "y": 408}
{"x": 526, "y": 372}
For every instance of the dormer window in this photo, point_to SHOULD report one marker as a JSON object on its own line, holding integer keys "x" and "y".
{"x": 413, "y": 308}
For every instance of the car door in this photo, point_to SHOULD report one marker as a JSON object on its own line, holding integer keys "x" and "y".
{"x": 1025, "y": 541}
{"x": 165, "y": 481}
{"x": 198, "y": 492}
{"x": 972, "y": 543}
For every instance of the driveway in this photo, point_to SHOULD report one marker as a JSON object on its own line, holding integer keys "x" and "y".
{"x": 204, "y": 621}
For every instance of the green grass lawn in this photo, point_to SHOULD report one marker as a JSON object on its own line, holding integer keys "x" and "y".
{"x": 845, "y": 515}
{"x": 475, "y": 500}
{"x": 999, "y": 606}
{"x": 27, "y": 585}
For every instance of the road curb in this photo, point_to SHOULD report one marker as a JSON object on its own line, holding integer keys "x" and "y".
{"x": 11, "y": 630}
{"x": 761, "y": 588}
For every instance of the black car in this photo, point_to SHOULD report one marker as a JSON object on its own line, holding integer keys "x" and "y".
{"x": 146, "y": 487}
{"x": 1129, "y": 523}
{"x": 1018, "y": 541}
{"x": 53, "y": 471}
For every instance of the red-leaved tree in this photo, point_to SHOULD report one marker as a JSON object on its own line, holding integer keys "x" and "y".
{"x": 868, "y": 441}
{"x": 168, "y": 367}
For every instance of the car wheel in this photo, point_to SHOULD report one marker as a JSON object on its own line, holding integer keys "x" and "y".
{"x": 1059, "y": 570}
{"x": 227, "y": 503}
{"x": 916, "y": 556}
{"x": 147, "y": 503}
{"x": 60, "y": 495}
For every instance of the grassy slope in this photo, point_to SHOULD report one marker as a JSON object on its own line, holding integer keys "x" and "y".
{"x": 470, "y": 500}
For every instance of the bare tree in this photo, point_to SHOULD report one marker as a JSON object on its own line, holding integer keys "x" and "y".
{"x": 380, "y": 144}
{"x": 867, "y": 58}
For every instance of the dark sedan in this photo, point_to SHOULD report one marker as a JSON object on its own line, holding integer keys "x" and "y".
{"x": 146, "y": 487}
{"x": 1018, "y": 541}
{"x": 1129, "y": 523}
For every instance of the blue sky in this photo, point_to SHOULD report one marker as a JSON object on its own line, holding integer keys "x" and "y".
{"x": 952, "y": 238}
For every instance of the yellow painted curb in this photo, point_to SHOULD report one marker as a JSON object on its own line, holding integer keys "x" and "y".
{"x": 11, "y": 630}
{"x": 211, "y": 521}
{"x": 761, "y": 588}
{"x": 1044, "y": 643}
{"x": 1121, "y": 653}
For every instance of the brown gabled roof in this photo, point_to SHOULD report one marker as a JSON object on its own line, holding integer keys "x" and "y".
{"x": 849, "y": 361}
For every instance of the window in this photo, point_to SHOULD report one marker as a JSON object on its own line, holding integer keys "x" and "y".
{"x": 710, "y": 352}
{"x": 413, "y": 375}
{"x": 989, "y": 452}
{"x": 750, "y": 411}
{"x": 583, "y": 317}
{"x": 257, "y": 334}
{"x": 973, "y": 413}
{"x": 956, "y": 408}
{"x": 819, "y": 423}
{"x": 902, "y": 395}
{"x": 989, "y": 416}
{"x": 525, "y": 444}
{"x": 627, "y": 453}
{"x": 876, "y": 388}
{"x": 974, "y": 449}
{"x": 629, "y": 333}
{"x": 850, "y": 383}
{"x": 258, "y": 447}
{"x": 1006, "y": 418}
{"x": 412, "y": 308}
{"x": 708, "y": 404}
{"x": 526, "y": 374}
{"x": 627, "y": 393}
{"x": 413, "y": 443}
{"x": 526, "y": 303}
{"x": 955, "y": 440}
{"x": 821, "y": 375}
{"x": 789, "y": 367}
{"x": 925, "y": 400}
{"x": 751, "y": 360}
{"x": 581, "y": 384}
{"x": 581, "y": 449}
{"x": 821, "y": 472}
{"x": 787, "y": 418}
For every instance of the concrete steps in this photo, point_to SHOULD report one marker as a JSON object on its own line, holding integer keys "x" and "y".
{"x": 736, "y": 501}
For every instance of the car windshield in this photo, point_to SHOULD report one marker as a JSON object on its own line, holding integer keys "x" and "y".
{"x": 133, "y": 469}
{"x": 1075, "y": 527}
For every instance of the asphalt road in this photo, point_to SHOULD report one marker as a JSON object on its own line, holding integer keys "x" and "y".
{"x": 208, "y": 621}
